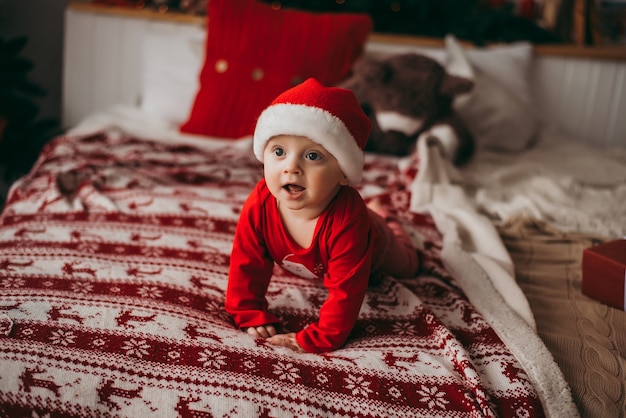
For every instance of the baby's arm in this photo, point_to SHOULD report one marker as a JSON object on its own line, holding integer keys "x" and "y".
{"x": 249, "y": 274}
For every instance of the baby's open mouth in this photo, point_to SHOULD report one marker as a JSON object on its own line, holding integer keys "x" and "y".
{"x": 293, "y": 188}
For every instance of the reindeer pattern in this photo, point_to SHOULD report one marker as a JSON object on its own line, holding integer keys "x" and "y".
{"x": 115, "y": 285}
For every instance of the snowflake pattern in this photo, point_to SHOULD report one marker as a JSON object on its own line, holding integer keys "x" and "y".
{"x": 213, "y": 258}
{"x": 404, "y": 328}
{"x": 210, "y": 359}
{"x": 136, "y": 348}
{"x": 13, "y": 282}
{"x": 151, "y": 251}
{"x": 62, "y": 337}
{"x": 81, "y": 287}
{"x": 205, "y": 223}
{"x": 286, "y": 371}
{"x": 88, "y": 247}
{"x": 358, "y": 385}
{"x": 214, "y": 306}
{"x": 432, "y": 397}
{"x": 151, "y": 292}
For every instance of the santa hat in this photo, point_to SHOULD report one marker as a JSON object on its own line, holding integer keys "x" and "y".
{"x": 330, "y": 116}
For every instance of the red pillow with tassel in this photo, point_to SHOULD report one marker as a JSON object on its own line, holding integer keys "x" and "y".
{"x": 254, "y": 52}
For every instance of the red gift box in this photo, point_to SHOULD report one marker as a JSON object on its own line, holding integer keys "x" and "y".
{"x": 604, "y": 273}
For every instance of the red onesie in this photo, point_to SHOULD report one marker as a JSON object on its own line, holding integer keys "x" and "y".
{"x": 340, "y": 255}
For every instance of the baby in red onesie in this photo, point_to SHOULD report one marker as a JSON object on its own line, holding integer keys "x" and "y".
{"x": 306, "y": 217}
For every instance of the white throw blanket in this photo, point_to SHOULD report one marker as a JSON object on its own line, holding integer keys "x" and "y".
{"x": 569, "y": 185}
{"x": 472, "y": 249}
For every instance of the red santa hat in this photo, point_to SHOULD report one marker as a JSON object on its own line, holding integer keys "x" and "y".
{"x": 330, "y": 116}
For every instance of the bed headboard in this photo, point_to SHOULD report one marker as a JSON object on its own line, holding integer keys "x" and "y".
{"x": 104, "y": 58}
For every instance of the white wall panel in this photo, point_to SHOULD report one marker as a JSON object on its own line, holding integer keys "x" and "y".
{"x": 600, "y": 105}
{"x": 77, "y": 67}
{"x": 616, "y": 131}
{"x": 584, "y": 97}
{"x": 107, "y": 61}
{"x": 590, "y": 124}
{"x": 102, "y": 63}
{"x": 129, "y": 83}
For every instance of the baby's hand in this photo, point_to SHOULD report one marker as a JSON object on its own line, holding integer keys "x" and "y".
{"x": 262, "y": 331}
{"x": 286, "y": 340}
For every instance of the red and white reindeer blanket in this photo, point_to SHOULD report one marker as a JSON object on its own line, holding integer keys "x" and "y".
{"x": 114, "y": 254}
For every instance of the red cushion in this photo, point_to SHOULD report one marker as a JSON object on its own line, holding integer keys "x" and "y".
{"x": 253, "y": 53}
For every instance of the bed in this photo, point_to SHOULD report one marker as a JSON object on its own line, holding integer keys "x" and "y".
{"x": 114, "y": 254}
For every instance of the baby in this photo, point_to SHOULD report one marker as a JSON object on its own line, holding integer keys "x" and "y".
{"x": 306, "y": 217}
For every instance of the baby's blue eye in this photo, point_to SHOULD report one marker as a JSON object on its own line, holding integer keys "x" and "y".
{"x": 279, "y": 152}
{"x": 313, "y": 156}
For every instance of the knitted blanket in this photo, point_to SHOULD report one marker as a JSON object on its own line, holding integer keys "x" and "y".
{"x": 114, "y": 254}
{"x": 577, "y": 329}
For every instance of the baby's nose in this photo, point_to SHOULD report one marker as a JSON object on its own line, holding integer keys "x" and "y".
{"x": 292, "y": 165}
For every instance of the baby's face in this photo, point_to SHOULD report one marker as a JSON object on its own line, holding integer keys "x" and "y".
{"x": 301, "y": 174}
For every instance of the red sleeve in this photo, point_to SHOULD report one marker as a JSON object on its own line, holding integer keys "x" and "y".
{"x": 250, "y": 269}
{"x": 349, "y": 265}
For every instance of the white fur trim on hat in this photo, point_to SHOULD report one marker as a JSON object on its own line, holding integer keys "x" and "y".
{"x": 314, "y": 123}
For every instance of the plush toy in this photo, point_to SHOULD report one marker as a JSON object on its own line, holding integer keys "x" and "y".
{"x": 407, "y": 97}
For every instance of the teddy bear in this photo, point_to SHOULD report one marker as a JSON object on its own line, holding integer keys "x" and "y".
{"x": 409, "y": 96}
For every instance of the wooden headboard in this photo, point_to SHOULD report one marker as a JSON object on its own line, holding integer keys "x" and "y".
{"x": 581, "y": 89}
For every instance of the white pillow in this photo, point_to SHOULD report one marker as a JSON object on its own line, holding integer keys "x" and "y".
{"x": 171, "y": 63}
{"x": 498, "y": 111}
{"x": 509, "y": 66}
